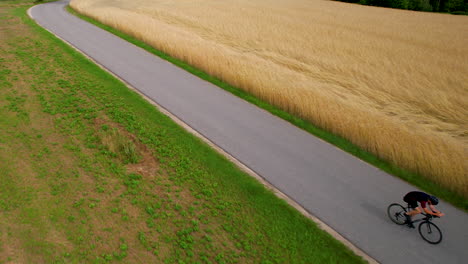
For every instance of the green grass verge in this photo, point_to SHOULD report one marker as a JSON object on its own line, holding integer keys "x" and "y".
{"x": 413, "y": 178}
{"x": 71, "y": 198}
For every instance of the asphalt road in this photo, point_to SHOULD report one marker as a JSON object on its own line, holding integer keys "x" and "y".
{"x": 341, "y": 190}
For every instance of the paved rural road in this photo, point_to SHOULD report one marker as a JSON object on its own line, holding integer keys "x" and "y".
{"x": 344, "y": 192}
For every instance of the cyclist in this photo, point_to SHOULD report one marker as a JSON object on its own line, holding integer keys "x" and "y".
{"x": 412, "y": 198}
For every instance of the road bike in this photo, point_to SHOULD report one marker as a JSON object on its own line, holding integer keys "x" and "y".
{"x": 429, "y": 231}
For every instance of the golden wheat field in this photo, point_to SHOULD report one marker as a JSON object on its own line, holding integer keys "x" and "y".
{"x": 393, "y": 82}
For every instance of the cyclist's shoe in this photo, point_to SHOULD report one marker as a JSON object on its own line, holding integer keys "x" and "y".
{"x": 410, "y": 224}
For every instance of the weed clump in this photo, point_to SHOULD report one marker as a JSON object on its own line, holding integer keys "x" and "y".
{"x": 119, "y": 145}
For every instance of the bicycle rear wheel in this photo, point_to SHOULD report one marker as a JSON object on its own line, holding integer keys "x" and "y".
{"x": 396, "y": 212}
{"x": 430, "y": 232}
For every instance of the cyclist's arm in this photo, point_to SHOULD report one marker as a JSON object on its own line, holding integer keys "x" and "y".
{"x": 435, "y": 211}
{"x": 427, "y": 211}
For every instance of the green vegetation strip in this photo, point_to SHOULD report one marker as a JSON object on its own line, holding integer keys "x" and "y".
{"x": 413, "y": 178}
{"x": 92, "y": 173}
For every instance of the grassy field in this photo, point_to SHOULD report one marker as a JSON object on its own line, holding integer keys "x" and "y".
{"x": 392, "y": 82}
{"x": 92, "y": 173}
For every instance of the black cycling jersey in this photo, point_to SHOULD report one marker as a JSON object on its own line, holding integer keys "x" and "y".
{"x": 412, "y": 198}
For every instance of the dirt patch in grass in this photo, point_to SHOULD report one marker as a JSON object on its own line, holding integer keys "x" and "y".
{"x": 145, "y": 163}
{"x": 147, "y": 166}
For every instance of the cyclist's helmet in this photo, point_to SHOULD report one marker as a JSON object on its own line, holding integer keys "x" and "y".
{"x": 434, "y": 200}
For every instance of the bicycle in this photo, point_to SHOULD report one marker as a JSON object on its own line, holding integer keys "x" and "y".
{"x": 429, "y": 231}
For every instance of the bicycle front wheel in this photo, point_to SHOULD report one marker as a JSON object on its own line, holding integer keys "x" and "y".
{"x": 430, "y": 232}
{"x": 396, "y": 212}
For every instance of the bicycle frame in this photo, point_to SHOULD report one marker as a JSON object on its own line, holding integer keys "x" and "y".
{"x": 425, "y": 218}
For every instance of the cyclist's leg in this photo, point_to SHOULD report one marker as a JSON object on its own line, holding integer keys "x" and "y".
{"x": 412, "y": 205}
{"x": 414, "y": 210}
